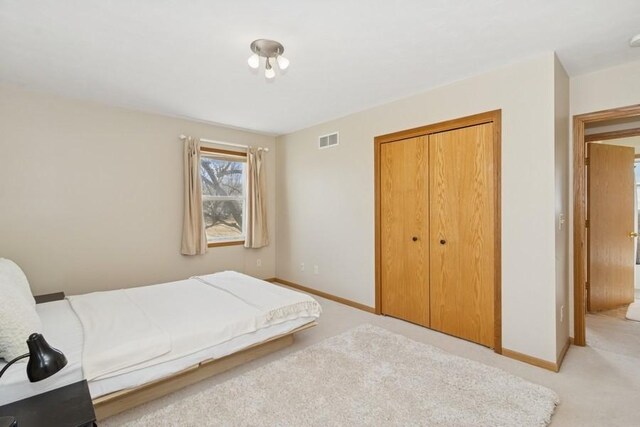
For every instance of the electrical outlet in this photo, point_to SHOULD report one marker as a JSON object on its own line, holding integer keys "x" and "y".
{"x": 561, "y": 221}
{"x": 302, "y": 266}
{"x": 561, "y": 313}
{"x": 316, "y": 269}
{"x": 258, "y": 262}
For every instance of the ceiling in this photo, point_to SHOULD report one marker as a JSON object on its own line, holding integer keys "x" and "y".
{"x": 187, "y": 58}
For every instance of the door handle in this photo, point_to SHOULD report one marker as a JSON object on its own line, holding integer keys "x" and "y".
{"x": 633, "y": 234}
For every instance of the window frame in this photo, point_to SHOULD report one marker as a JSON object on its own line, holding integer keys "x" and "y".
{"x": 239, "y": 156}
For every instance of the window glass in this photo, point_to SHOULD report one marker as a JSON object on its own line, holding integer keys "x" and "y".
{"x": 223, "y": 196}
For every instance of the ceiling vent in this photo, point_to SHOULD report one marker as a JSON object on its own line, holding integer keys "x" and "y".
{"x": 327, "y": 141}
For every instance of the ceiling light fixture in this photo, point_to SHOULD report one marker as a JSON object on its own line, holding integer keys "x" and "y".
{"x": 635, "y": 41}
{"x": 272, "y": 52}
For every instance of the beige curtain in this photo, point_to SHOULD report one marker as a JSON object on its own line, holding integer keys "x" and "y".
{"x": 194, "y": 240}
{"x": 257, "y": 233}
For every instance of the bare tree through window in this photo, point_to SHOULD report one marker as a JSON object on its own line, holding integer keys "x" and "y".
{"x": 223, "y": 196}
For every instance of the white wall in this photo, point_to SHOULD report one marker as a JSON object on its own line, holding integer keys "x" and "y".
{"x": 91, "y": 196}
{"x": 326, "y": 201}
{"x": 609, "y": 88}
{"x": 561, "y": 109}
{"x": 601, "y": 90}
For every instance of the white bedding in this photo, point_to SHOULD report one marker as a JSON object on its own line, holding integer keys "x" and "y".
{"x": 143, "y": 376}
{"x": 63, "y": 330}
{"x": 112, "y": 321}
{"x": 185, "y": 317}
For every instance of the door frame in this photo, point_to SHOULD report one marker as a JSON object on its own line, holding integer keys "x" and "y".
{"x": 580, "y": 209}
{"x": 494, "y": 117}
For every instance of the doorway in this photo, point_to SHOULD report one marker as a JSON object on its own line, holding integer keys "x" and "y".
{"x": 605, "y": 213}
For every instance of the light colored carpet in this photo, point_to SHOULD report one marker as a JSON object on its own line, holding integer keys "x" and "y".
{"x": 633, "y": 312}
{"x": 365, "y": 376}
{"x": 613, "y": 335}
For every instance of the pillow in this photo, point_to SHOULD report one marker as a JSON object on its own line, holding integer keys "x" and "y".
{"x": 18, "y": 320}
{"x": 12, "y": 275}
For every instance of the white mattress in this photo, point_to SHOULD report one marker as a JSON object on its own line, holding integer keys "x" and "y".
{"x": 62, "y": 330}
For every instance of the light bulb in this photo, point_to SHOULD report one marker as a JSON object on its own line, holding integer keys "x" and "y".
{"x": 283, "y": 62}
{"x": 254, "y": 61}
{"x": 269, "y": 73}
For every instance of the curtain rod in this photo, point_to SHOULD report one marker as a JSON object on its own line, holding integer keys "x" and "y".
{"x": 229, "y": 144}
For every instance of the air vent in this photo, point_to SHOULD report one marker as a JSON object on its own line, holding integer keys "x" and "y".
{"x": 327, "y": 141}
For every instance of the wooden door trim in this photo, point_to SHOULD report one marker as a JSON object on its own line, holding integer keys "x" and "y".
{"x": 497, "y": 177}
{"x": 476, "y": 119}
{"x": 580, "y": 210}
{"x": 618, "y": 134}
{"x": 494, "y": 117}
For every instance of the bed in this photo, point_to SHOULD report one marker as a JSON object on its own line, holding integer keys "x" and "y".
{"x": 134, "y": 345}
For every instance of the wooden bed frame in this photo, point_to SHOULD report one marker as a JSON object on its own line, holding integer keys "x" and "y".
{"x": 119, "y": 401}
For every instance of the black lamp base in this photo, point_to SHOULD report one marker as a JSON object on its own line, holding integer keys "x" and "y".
{"x": 8, "y": 422}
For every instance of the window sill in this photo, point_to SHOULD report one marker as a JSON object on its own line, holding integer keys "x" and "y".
{"x": 229, "y": 243}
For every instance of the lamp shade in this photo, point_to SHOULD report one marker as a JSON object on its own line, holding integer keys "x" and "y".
{"x": 254, "y": 61}
{"x": 44, "y": 360}
{"x": 283, "y": 62}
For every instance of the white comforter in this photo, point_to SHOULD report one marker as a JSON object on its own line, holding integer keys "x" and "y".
{"x": 130, "y": 329}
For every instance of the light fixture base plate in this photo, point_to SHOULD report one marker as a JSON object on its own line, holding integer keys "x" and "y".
{"x": 267, "y": 48}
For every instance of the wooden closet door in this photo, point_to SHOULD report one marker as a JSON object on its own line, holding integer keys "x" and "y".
{"x": 404, "y": 229}
{"x": 462, "y": 237}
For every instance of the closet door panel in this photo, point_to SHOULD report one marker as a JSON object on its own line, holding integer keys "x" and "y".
{"x": 405, "y": 229}
{"x": 462, "y": 236}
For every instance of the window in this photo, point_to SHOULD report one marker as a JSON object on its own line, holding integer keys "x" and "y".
{"x": 223, "y": 176}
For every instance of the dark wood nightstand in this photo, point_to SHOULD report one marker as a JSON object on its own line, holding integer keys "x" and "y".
{"x": 68, "y": 406}
{"x": 57, "y": 296}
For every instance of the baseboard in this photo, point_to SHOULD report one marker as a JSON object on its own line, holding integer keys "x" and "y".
{"x": 325, "y": 295}
{"x": 541, "y": 363}
{"x": 563, "y": 353}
